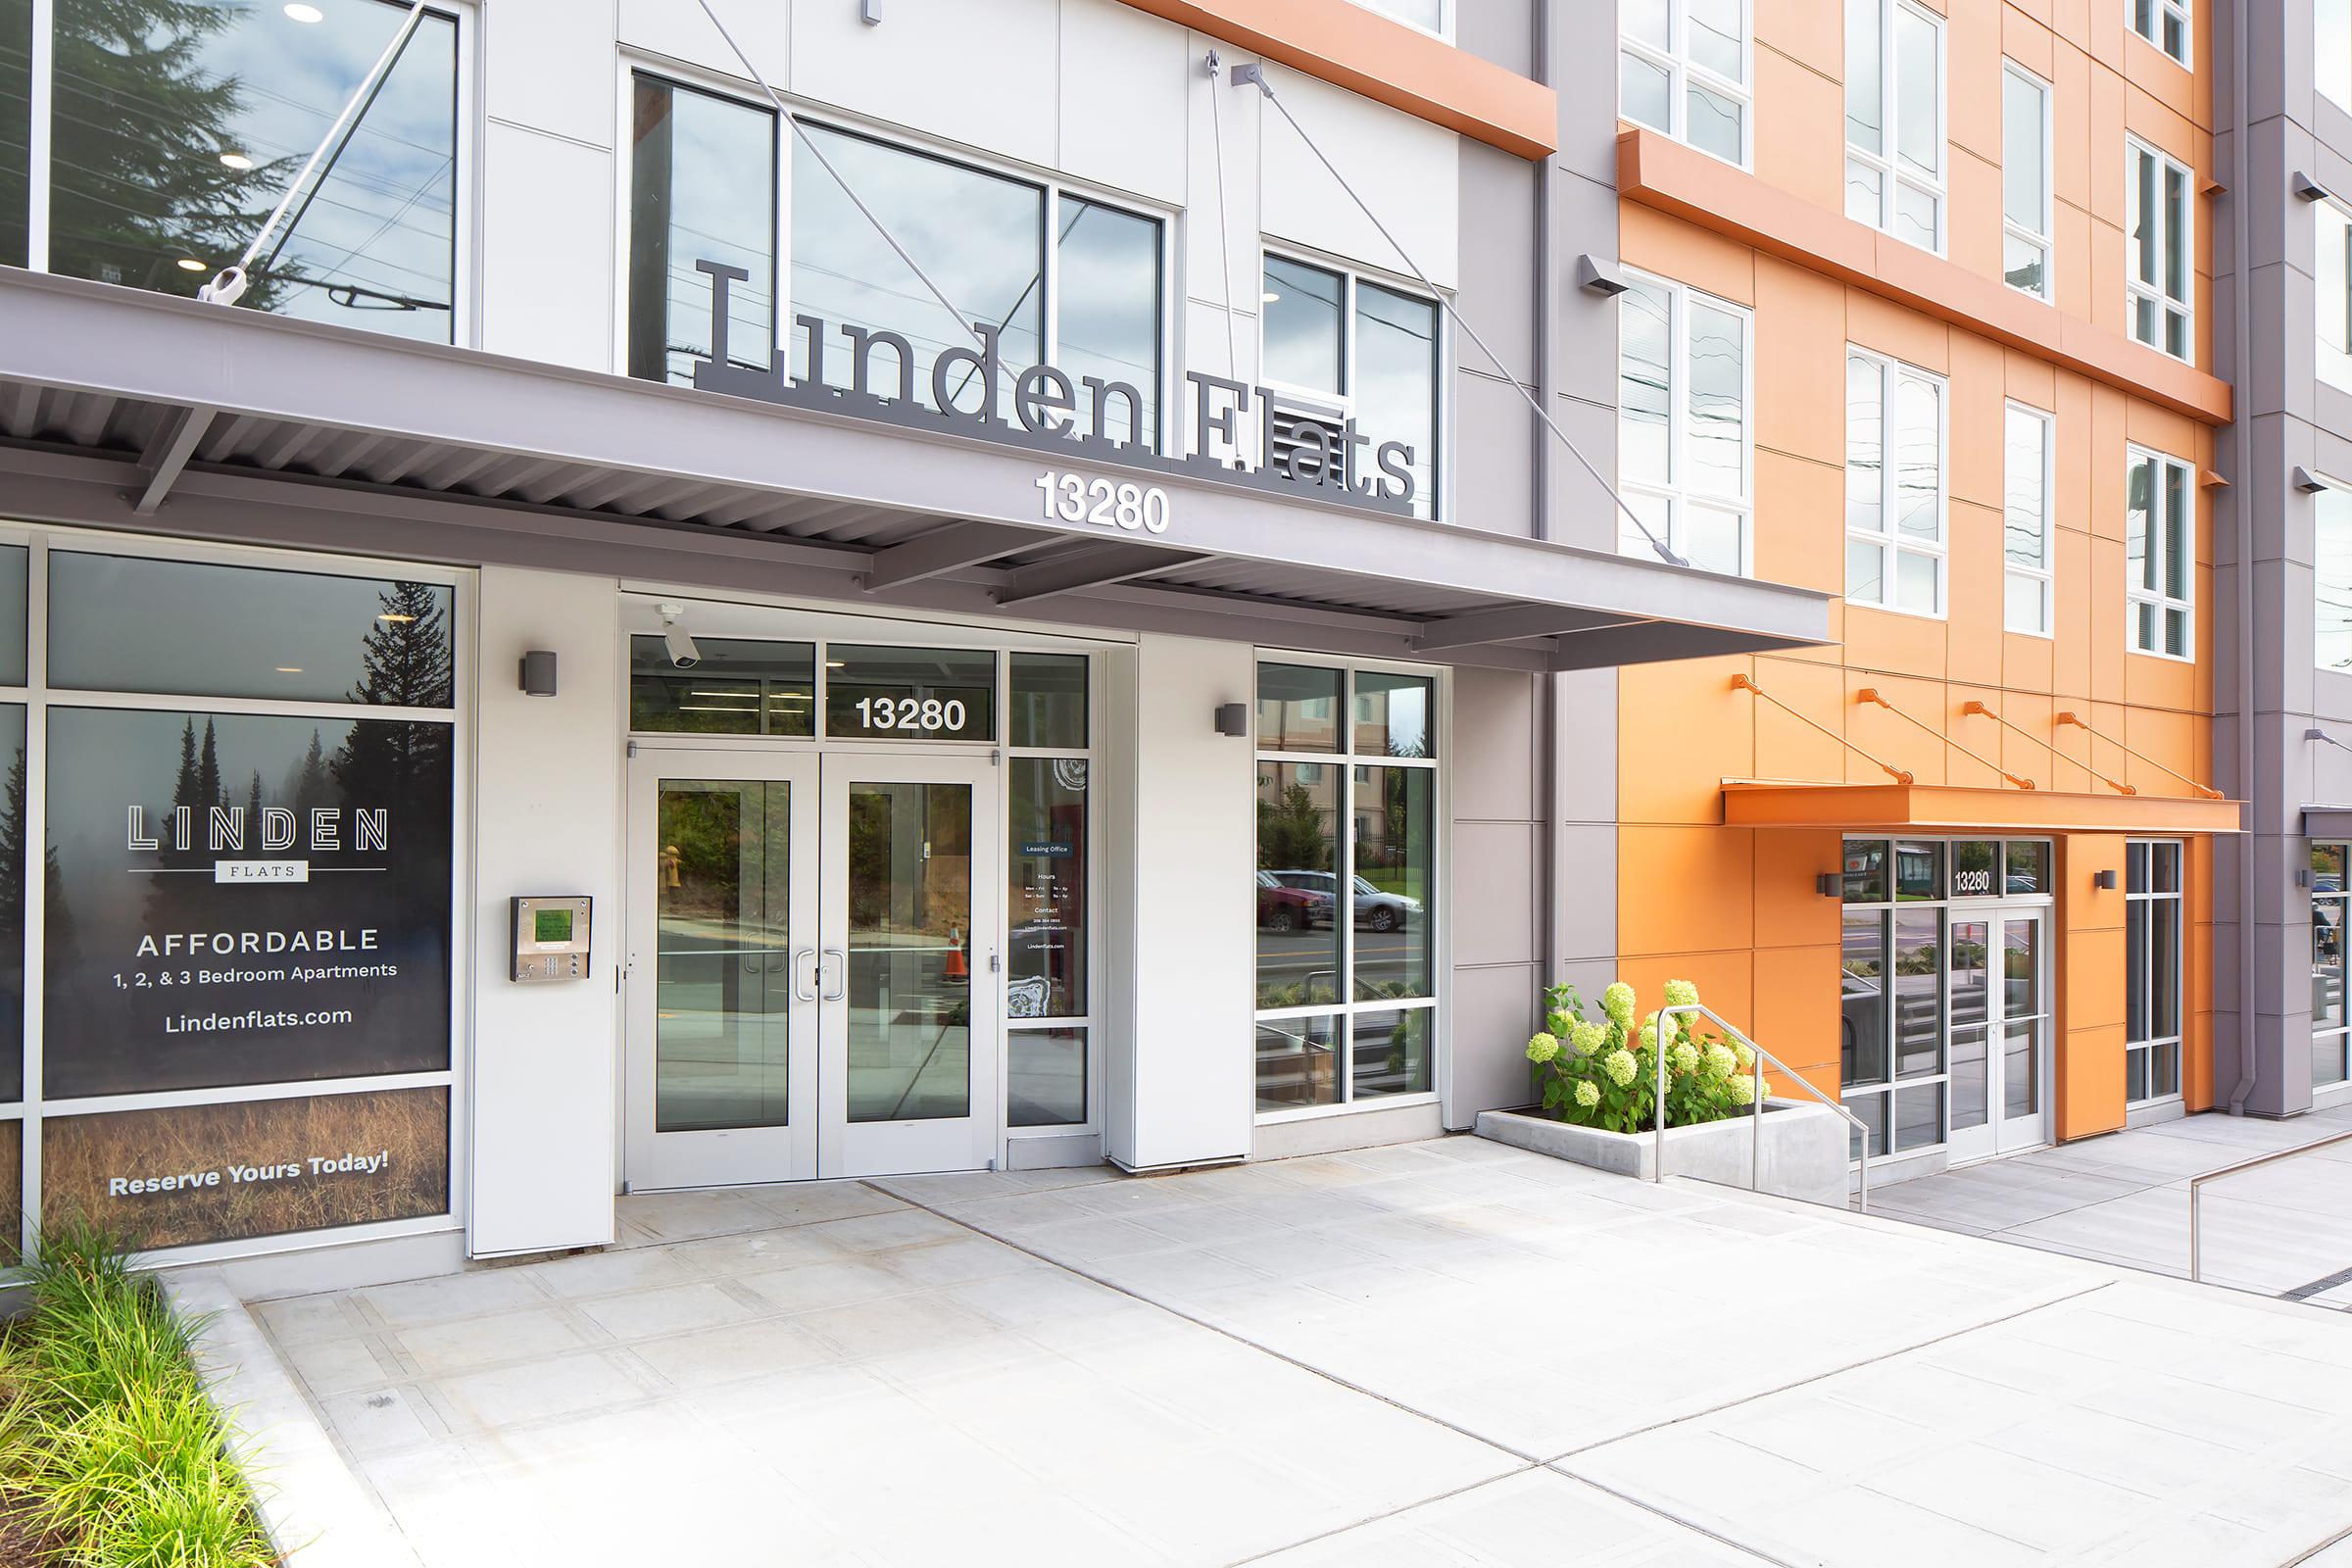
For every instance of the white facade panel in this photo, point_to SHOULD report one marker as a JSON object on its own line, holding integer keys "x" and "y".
{"x": 1409, "y": 171}
{"x": 547, "y": 785}
{"x": 1125, "y": 76}
{"x": 1188, "y": 954}
{"x": 540, "y": 59}
{"x": 541, "y": 192}
{"x": 980, "y": 74}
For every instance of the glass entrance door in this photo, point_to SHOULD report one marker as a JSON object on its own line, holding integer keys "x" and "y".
{"x": 907, "y": 1010}
{"x": 721, "y": 997}
{"x": 2000, "y": 1033}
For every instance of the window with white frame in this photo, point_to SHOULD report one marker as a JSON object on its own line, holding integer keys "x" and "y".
{"x": 2160, "y": 554}
{"x": 2157, "y": 224}
{"x": 1894, "y": 151}
{"x": 2332, "y": 51}
{"x": 1048, "y": 1001}
{"x": 2328, "y": 1023}
{"x": 1894, "y": 490}
{"x": 1336, "y": 346}
{"x": 1430, "y": 15}
{"x": 1684, "y": 452}
{"x": 2151, "y": 969}
{"x": 2027, "y": 454}
{"x": 2332, "y": 294}
{"x": 1346, "y": 885}
{"x": 2332, "y": 578}
{"x": 2026, "y": 181}
{"x": 2163, "y": 22}
{"x": 1682, "y": 69}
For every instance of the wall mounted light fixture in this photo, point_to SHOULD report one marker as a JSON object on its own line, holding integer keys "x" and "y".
{"x": 1828, "y": 885}
{"x": 1597, "y": 277}
{"x": 537, "y": 676}
{"x": 2310, "y": 483}
{"x": 2104, "y": 879}
{"x": 1232, "y": 718}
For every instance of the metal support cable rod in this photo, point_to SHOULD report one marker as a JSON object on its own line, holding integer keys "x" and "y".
{"x": 1742, "y": 683}
{"x": 1877, "y": 698}
{"x": 2202, "y": 789}
{"x": 1216, "y": 123}
{"x": 827, "y": 163}
{"x": 1255, "y": 73}
{"x": 228, "y": 285}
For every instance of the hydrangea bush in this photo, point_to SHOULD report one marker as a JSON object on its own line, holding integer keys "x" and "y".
{"x": 1603, "y": 1072}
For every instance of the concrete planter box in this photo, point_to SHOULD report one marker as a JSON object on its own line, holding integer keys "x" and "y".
{"x": 1803, "y": 1154}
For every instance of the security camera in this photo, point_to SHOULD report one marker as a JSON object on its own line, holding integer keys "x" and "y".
{"x": 682, "y": 650}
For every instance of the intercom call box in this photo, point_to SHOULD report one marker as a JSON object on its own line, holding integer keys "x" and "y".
{"x": 550, "y": 940}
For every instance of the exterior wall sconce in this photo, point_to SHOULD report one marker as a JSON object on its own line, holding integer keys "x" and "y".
{"x": 537, "y": 676}
{"x": 1232, "y": 718}
{"x": 1828, "y": 885}
{"x": 2306, "y": 188}
{"x": 2105, "y": 880}
{"x": 2302, "y": 876}
{"x": 2310, "y": 483}
{"x": 869, "y": 12}
{"x": 1597, "y": 277}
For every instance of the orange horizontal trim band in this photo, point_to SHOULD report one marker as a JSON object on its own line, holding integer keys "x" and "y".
{"x": 1661, "y": 172}
{"x": 1340, "y": 42}
{"x": 1967, "y": 808}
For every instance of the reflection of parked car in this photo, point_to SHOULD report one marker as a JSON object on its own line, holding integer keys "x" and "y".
{"x": 1381, "y": 911}
{"x": 1283, "y": 908}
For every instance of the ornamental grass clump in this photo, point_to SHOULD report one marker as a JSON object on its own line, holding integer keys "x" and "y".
{"x": 111, "y": 1455}
{"x": 1603, "y": 1072}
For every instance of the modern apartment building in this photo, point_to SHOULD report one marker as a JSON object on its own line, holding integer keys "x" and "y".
{"x": 1922, "y": 314}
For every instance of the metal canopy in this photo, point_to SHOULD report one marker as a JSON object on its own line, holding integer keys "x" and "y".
{"x": 120, "y": 408}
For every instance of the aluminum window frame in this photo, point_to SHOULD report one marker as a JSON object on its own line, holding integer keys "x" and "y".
{"x": 2043, "y": 240}
{"x": 2136, "y": 593}
{"x": 2336, "y": 494}
{"x": 2137, "y": 291}
{"x": 1888, "y": 164}
{"x": 1675, "y": 492}
{"x": 1345, "y": 1007}
{"x": 2159, "y": 11}
{"x": 1443, "y": 30}
{"x": 1893, "y": 374}
{"x": 2140, "y": 978}
{"x": 1683, "y": 72}
{"x": 1343, "y": 406}
{"x": 2331, "y": 306}
{"x": 2045, "y": 576}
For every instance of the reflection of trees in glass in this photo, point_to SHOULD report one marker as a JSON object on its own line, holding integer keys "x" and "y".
{"x": 701, "y": 870}
{"x": 405, "y": 662}
{"x": 1292, "y": 836}
{"x": 141, "y": 126}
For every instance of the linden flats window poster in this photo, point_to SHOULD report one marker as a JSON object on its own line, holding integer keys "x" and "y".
{"x": 244, "y": 899}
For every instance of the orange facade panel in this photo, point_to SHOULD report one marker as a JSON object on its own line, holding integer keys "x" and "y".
{"x": 1892, "y": 807}
{"x": 1660, "y": 172}
{"x": 1340, "y": 42}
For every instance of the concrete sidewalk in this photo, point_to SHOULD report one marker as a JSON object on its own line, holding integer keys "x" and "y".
{"x": 2284, "y": 1230}
{"x": 1444, "y": 1352}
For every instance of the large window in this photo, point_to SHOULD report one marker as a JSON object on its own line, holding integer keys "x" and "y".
{"x": 1894, "y": 501}
{"x": 1345, "y": 886}
{"x": 1682, "y": 68}
{"x": 2331, "y": 293}
{"x": 2157, "y": 224}
{"x": 2331, "y": 42}
{"x": 1895, "y": 152}
{"x": 2332, "y": 578}
{"x": 1337, "y": 346}
{"x": 1900, "y": 968}
{"x": 2027, "y": 458}
{"x": 1683, "y": 452}
{"x": 2151, "y": 970}
{"x": 701, "y": 188}
{"x": 176, "y": 130}
{"x": 2163, "y": 22}
{"x": 15, "y": 130}
{"x": 2160, "y": 554}
{"x": 2026, "y": 181}
{"x": 2329, "y": 1025}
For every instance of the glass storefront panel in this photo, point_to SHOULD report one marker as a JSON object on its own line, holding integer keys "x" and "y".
{"x": 1971, "y": 1005}
{"x": 1395, "y": 826}
{"x": 1297, "y": 708}
{"x": 1865, "y": 871}
{"x": 1862, "y": 1052}
{"x": 736, "y": 686}
{"x": 2029, "y": 868}
{"x": 1045, "y": 1083}
{"x": 1976, "y": 868}
{"x": 909, "y": 944}
{"x": 1392, "y": 714}
{"x": 722, "y": 977}
{"x": 1047, "y": 855}
{"x": 2330, "y": 901}
{"x": 177, "y": 127}
{"x": 1297, "y": 1061}
{"x": 1918, "y": 992}
{"x": 12, "y": 907}
{"x": 701, "y": 188}
{"x": 14, "y": 648}
{"x": 1048, "y": 706}
{"x": 15, "y": 130}
{"x": 1918, "y": 872}
{"x": 1297, "y": 931}
{"x": 1918, "y": 1117}
{"x": 184, "y": 629}
{"x": 909, "y": 694}
{"x": 1389, "y": 1052}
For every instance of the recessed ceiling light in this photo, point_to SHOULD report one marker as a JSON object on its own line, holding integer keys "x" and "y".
{"x": 303, "y": 13}
{"x": 1269, "y": 297}
{"x": 236, "y": 160}
{"x": 397, "y": 620}
{"x": 289, "y": 670}
{"x": 189, "y": 263}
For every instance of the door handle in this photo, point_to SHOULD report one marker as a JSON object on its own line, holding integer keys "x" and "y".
{"x": 801, "y": 992}
{"x": 833, "y": 954}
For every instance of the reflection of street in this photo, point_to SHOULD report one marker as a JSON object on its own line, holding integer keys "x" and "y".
{"x": 1287, "y": 960}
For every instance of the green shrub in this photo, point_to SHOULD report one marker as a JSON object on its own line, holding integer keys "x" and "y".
{"x": 107, "y": 1444}
{"x": 1603, "y": 1072}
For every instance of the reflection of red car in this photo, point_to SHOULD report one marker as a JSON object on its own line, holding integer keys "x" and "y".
{"x": 1289, "y": 908}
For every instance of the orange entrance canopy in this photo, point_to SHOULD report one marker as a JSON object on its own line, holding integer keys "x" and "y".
{"x": 1898, "y": 808}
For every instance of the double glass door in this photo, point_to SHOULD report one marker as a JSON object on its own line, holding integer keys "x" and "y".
{"x": 812, "y": 976}
{"x": 2000, "y": 1032}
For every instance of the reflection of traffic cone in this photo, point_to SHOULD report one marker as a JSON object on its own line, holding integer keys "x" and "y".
{"x": 958, "y": 971}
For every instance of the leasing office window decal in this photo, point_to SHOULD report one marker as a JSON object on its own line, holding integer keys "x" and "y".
{"x": 240, "y": 899}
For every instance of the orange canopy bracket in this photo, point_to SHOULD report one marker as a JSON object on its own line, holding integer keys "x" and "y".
{"x": 1871, "y": 694}
{"x": 2195, "y": 788}
{"x": 1742, "y": 683}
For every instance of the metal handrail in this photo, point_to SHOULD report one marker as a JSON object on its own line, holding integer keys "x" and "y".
{"x": 2196, "y": 1194}
{"x": 1755, "y": 1155}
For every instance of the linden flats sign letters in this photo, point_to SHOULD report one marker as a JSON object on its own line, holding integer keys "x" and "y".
{"x": 1312, "y": 455}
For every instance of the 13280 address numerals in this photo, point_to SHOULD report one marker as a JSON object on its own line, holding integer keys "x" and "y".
{"x": 1075, "y": 498}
